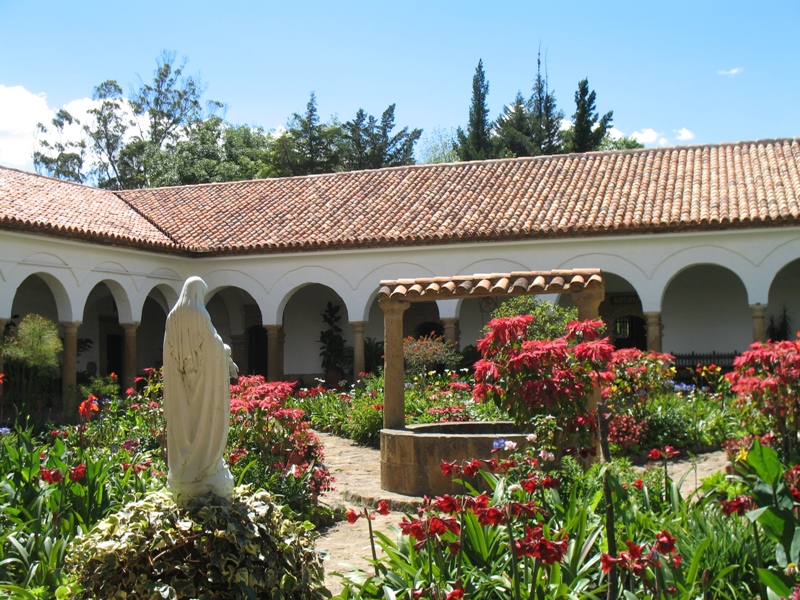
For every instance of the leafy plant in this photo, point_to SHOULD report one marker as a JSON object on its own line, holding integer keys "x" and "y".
{"x": 549, "y": 320}
{"x": 331, "y": 340}
{"x": 31, "y": 363}
{"x": 247, "y": 547}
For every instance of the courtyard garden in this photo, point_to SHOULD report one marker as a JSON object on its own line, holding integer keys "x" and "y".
{"x": 85, "y": 512}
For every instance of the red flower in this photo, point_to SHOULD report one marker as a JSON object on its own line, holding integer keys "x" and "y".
{"x": 130, "y": 391}
{"x": 352, "y": 516}
{"x": 671, "y": 452}
{"x": 472, "y": 467}
{"x": 88, "y": 406}
{"x": 607, "y": 562}
{"x": 456, "y": 593}
{"x": 449, "y": 468}
{"x": 113, "y": 376}
{"x": 77, "y": 473}
{"x": 52, "y": 475}
{"x": 383, "y": 508}
{"x": 638, "y": 484}
{"x": 665, "y": 544}
{"x": 490, "y": 516}
{"x": 446, "y": 504}
{"x": 739, "y": 505}
{"x": 655, "y": 454}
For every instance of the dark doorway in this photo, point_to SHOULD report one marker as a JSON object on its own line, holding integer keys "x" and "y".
{"x": 257, "y": 350}
{"x": 114, "y": 354}
{"x": 630, "y": 332}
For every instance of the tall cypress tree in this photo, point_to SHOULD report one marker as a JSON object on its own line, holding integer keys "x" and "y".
{"x": 515, "y": 129}
{"x": 545, "y": 116}
{"x": 588, "y": 127}
{"x": 477, "y": 143}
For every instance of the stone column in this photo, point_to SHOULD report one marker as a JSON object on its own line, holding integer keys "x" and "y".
{"x": 588, "y": 302}
{"x": 759, "y": 328}
{"x": 450, "y": 329}
{"x": 69, "y": 372}
{"x": 273, "y": 353}
{"x": 394, "y": 410}
{"x": 128, "y": 376}
{"x": 358, "y": 347}
{"x": 653, "y": 331}
{"x": 239, "y": 352}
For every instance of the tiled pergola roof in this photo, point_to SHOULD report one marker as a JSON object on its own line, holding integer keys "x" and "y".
{"x": 495, "y": 284}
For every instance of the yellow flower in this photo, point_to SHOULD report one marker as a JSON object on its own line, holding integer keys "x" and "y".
{"x": 742, "y": 455}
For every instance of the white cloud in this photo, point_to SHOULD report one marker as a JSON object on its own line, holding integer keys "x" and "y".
{"x": 730, "y": 72}
{"x": 615, "y": 134}
{"x": 650, "y": 136}
{"x": 684, "y": 134}
{"x": 20, "y": 111}
{"x": 566, "y": 125}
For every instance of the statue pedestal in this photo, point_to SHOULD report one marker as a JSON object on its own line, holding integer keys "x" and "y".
{"x": 221, "y": 484}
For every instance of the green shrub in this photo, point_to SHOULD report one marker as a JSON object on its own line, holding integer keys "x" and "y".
{"x": 31, "y": 364}
{"x": 365, "y": 420}
{"x": 550, "y": 320}
{"x": 214, "y": 548}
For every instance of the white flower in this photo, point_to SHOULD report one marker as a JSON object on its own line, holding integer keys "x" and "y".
{"x": 514, "y": 487}
{"x": 510, "y": 446}
{"x": 547, "y": 456}
{"x": 532, "y": 437}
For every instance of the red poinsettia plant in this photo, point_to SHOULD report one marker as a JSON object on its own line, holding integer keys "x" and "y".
{"x": 767, "y": 376}
{"x": 532, "y": 378}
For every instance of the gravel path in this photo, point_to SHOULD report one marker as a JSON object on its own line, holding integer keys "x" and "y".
{"x": 357, "y": 473}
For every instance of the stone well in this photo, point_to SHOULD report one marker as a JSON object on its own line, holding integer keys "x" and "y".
{"x": 411, "y": 457}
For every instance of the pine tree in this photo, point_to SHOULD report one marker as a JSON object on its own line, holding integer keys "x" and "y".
{"x": 515, "y": 129}
{"x": 588, "y": 127}
{"x": 369, "y": 144}
{"x": 477, "y": 143}
{"x": 309, "y": 147}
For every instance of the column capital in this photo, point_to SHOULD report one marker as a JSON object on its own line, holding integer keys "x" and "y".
{"x": 358, "y": 326}
{"x": 272, "y": 329}
{"x": 393, "y": 306}
{"x": 132, "y": 326}
{"x": 70, "y": 326}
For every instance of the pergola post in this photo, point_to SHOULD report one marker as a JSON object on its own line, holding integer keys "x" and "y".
{"x": 588, "y": 302}
{"x": 394, "y": 413}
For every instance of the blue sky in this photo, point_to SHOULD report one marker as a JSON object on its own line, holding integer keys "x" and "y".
{"x": 677, "y": 72}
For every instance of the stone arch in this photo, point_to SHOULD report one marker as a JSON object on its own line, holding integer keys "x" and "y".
{"x": 705, "y": 309}
{"x": 101, "y": 324}
{"x": 287, "y": 286}
{"x": 784, "y": 303}
{"x": 302, "y": 325}
{"x": 237, "y": 317}
{"x": 61, "y": 309}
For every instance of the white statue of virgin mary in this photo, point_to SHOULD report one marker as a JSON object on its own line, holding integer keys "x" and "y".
{"x": 197, "y": 398}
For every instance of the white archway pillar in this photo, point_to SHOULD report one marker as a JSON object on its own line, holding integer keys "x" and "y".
{"x": 653, "y": 331}
{"x": 358, "y": 348}
{"x": 69, "y": 371}
{"x": 450, "y": 329}
{"x": 759, "y": 327}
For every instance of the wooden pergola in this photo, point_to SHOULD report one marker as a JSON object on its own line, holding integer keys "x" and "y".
{"x": 585, "y": 285}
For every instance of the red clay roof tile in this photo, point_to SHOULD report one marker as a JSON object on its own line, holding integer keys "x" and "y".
{"x": 742, "y": 184}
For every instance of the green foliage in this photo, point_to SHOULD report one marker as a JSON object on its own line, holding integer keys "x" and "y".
{"x": 61, "y": 158}
{"x": 309, "y": 147}
{"x": 588, "y": 127}
{"x": 332, "y": 348}
{"x": 622, "y": 143}
{"x": 429, "y": 353}
{"x": 437, "y": 146}
{"x": 370, "y": 144}
{"x": 550, "y": 319}
{"x": 31, "y": 363}
{"x": 364, "y": 421}
{"x": 477, "y": 143}
{"x": 244, "y": 548}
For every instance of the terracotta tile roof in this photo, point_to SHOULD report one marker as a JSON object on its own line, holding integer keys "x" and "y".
{"x": 495, "y": 284}
{"x": 743, "y": 184}
{"x": 39, "y": 204}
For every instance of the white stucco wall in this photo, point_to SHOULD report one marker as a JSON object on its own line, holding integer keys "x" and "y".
{"x": 652, "y": 264}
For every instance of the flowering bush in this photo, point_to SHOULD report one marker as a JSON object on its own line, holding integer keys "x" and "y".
{"x": 542, "y": 377}
{"x": 429, "y": 353}
{"x": 633, "y": 375}
{"x": 271, "y": 444}
{"x": 768, "y": 377}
